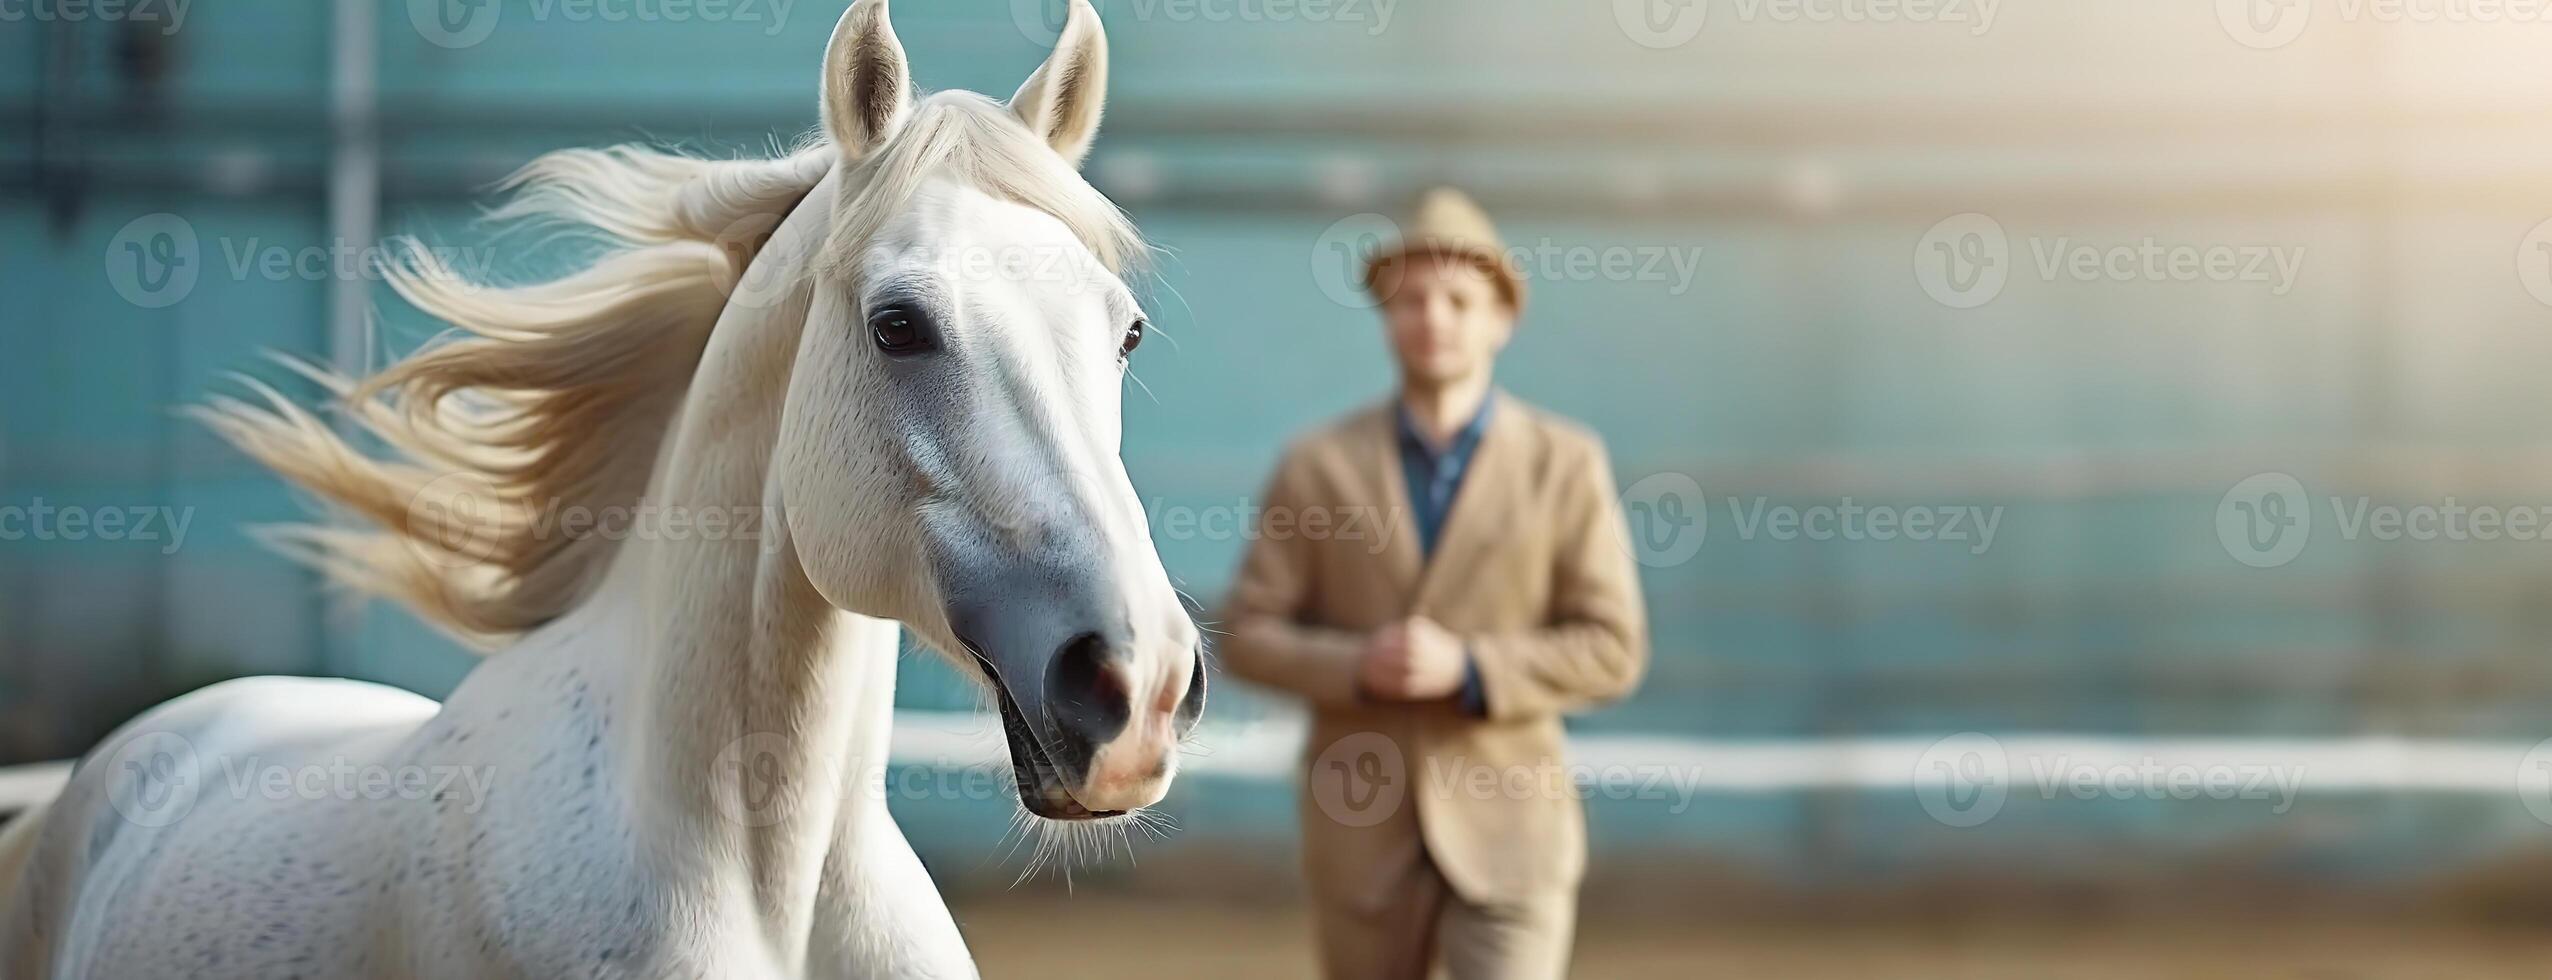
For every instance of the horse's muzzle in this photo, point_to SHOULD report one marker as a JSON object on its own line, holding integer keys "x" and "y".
{"x": 1092, "y": 738}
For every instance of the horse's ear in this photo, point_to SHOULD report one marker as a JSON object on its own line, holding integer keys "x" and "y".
{"x": 868, "y": 85}
{"x": 1061, "y": 102}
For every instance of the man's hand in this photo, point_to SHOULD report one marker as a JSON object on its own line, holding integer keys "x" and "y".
{"x": 1413, "y": 660}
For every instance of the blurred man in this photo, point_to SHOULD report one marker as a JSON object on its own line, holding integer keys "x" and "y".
{"x": 1442, "y": 577}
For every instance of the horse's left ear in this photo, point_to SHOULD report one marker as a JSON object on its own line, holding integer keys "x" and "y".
{"x": 868, "y": 84}
{"x": 1061, "y": 102}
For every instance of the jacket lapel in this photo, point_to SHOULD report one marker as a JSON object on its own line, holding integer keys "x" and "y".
{"x": 1484, "y": 503}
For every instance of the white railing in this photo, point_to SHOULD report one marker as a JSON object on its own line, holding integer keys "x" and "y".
{"x": 25, "y": 786}
{"x": 1266, "y": 751}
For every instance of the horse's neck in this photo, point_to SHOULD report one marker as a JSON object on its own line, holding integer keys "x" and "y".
{"x": 757, "y": 711}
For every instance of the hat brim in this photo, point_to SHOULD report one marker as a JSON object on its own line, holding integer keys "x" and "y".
{"x": 1510, "y": 288}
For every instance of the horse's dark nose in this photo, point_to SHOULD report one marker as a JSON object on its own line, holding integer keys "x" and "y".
{"x": 1087, "y": 696}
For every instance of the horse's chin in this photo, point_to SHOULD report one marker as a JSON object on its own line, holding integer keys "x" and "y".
{"x": 1040, "y": 792}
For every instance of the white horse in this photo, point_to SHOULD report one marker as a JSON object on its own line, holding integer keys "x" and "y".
{"x": 904, "y": 407}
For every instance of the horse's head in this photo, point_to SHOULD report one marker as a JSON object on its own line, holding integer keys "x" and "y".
{"x": 948, "y": 449}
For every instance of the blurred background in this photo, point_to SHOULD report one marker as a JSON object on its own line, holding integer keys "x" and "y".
{"x": 2192, "y": 353}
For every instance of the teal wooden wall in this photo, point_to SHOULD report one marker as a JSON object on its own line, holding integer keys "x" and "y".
{"x": 1800, "y": 166}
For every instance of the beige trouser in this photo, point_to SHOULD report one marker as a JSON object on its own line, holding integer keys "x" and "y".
{"x": 1423, "y": 918}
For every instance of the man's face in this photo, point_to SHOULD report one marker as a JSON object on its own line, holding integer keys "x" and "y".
{"x": 1446, "y": 318}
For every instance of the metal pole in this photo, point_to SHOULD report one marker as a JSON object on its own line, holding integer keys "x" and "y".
{"x": 354, "y": 218}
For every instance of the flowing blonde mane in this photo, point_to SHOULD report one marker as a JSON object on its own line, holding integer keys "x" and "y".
{"x": 555, "y": 398}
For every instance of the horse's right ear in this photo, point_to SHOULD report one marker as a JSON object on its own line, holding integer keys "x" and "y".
{"x": 868, "y": 85}
{"x": 1062, "y": 101}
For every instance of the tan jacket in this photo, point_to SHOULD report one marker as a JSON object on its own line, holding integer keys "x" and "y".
{"x": 1532, "y": 569}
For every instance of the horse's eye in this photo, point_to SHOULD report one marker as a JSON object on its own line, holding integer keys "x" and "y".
{"x": 901, "y": 330}
{"x": 1133, "y": 339}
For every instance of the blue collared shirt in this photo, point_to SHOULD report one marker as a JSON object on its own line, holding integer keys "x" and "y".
{"x": 1435, "y": 478}
{"x": 1436, "y": 475}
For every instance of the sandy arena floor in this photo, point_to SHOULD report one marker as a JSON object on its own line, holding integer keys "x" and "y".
{"x": 1143, "y": 940}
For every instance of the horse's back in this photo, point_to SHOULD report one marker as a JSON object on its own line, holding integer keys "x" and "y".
{"x": 197, "y": 839}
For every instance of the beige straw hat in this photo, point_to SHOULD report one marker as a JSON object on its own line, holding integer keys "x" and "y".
{"x": 1447, "y": 222}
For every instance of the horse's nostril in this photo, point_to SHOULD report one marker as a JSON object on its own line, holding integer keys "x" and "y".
{"x": 1192, "y": 706}
{"x": 1085, "y": 691}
